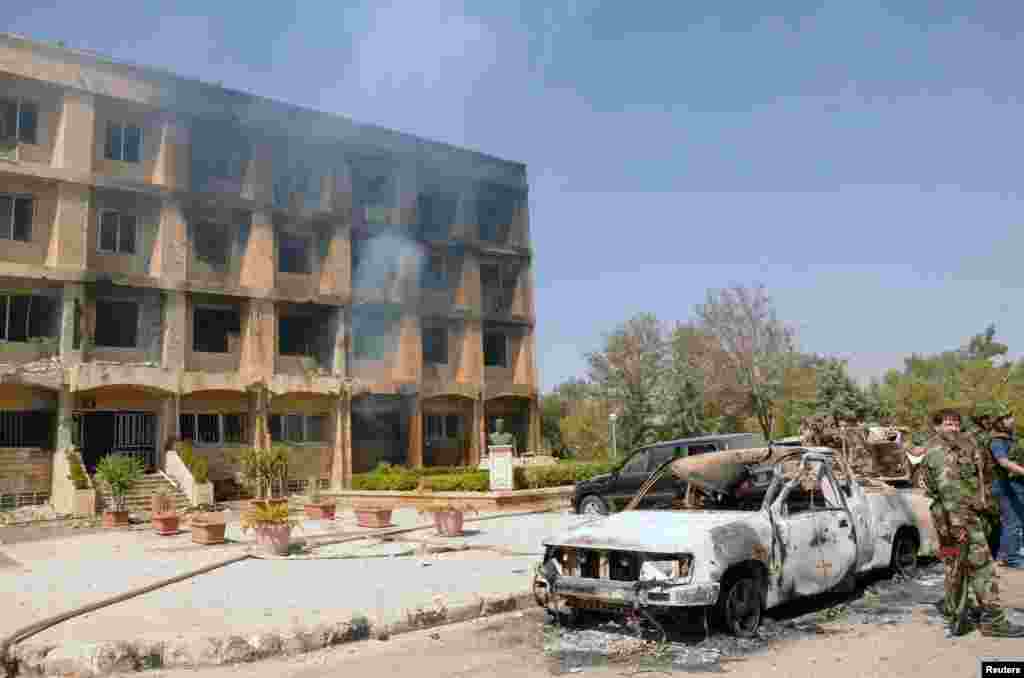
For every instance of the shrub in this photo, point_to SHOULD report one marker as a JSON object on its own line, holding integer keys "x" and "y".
{"x": 467, "y": 479}
{"x": 477, "y": 481}
{"x": 557, "y": 475}
{"x": 120, "y": 472}
{"x": 197, "y": 465}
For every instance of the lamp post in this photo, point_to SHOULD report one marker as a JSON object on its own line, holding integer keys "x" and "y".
{"x": 611, "y": 418}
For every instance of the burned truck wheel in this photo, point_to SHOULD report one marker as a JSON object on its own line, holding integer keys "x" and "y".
{"x": 740, "y": 605}
{"x": 593, "y": 505}
{"x": 903, "y": 561}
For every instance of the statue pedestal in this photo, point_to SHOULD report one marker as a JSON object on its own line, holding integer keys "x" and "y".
{"x": 500, "y": 466}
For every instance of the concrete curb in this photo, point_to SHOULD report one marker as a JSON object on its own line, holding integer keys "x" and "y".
{"x": 89, "y": 660}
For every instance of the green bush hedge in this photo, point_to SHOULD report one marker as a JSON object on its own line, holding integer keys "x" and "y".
{"x": 468, "y": 479}
{"x": 557, "y": 475}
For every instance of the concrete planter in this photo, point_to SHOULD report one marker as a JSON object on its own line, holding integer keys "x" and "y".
{"x": 256, "y": 503}
{"x": 449, "y": 523}
{"x": 166, "y": 524}
{"x": 274, "y": 538}
{"x": 208, "y": 533}
{"x": 321, "y": 511}
{"x": 373, "y": 517}
{"x": 84, "y": 503}
{"x": 115, "y": 519}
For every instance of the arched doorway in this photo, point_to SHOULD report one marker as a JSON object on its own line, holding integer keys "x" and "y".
{"x": 118, "y": 420}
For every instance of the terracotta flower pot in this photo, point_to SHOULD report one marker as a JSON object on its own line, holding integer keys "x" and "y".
{"x": 319, "y": 511}
{"x": 373, "y": 517}
{"x": 449, "y": 523}
{"x": 274, "y": 538}
{"x": 166, "y": 524}
{"x": 208, "y": 533}
{"x": 115, "y": 518}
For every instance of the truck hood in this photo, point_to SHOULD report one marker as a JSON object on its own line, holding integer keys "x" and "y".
{"x": 652, "y": 531}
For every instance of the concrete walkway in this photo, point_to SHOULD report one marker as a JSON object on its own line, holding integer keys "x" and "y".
{"x": 40, "y": 579}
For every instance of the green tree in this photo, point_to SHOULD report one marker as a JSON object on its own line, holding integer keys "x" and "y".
{"x": 838, "y": 395}
{"x": 758, "y": 346}
{"x": 627, "y": 373}
{"x": 585, "y": 429}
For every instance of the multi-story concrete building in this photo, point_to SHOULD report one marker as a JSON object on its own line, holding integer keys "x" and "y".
{"x": 176, "y": 257}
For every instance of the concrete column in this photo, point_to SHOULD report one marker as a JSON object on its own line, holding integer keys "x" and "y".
{"x": 409, "y": 359}
{"x": 75, "y": 145}
{"x": 470, "y": 369}
{"x": 468, "y": 291}
{"x": 415, "y": 454}
{"x": 72, "y": 308}
{"x": 406, "y": 191}
{"x": 341, "y": 466}
{"x": 170, "y": 254}
{"x": 335, "y": 266}
{"x": 175, "y": 326}
{"x": 172, "y": 168}
{"x": 259, "y": 264}
{"x": 533, "y": 427}
{"x": 258, "y": 177}
{"x": 341, "y": 189}
{"x": 259, "y": 341}
{"x": 65, "y": 420}
{"x": 479, "y": 443}
{"x": 338, "y": 326}
{"x": 68, "y": 236}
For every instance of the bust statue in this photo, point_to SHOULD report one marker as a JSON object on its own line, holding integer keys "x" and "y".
{"x": 500, "y": 437}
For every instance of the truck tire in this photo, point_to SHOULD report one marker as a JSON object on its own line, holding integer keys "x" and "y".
{"x": 593, "y": 505}
{"x": 903, "y": 561}
{"x": 740, "y": 605}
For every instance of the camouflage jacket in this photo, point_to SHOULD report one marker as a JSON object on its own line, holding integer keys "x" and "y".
{"x": 952, "y": 479}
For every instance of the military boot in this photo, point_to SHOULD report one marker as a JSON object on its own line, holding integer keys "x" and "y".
{"x": 996, "y": 625}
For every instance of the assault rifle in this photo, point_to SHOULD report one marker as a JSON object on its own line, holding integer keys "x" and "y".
{"x": 960, "y": 576}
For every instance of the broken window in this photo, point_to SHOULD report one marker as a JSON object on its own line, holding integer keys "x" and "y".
{"x": 297, "y": 335}
{"x": 31, "y": 428}
{"x": 211, "y": 327}
{"x": 117, "y": 323}
{"x": 442, "y": 426}
{"x": 373, "y": 333}
{"x": 117, "y": 232}
{"x": 294, "y": 254}
{"x": 435, "y": 345}
{"x": 213, "y": 429}
{"x": 19, "y": 121}
{"x": 124, "y": 142}
{"x": 435, "y": 212}
{"x": 298, "y": 428}
{"x": 24, "y": 317}
{"x": 498, "y": 282}
{"x": 495, "y": 210}
{"x": 435, "y": 273}
{"x": 212, "y": 243}
{"x": 495, "y": 349}
{"x": 16, "y": 217}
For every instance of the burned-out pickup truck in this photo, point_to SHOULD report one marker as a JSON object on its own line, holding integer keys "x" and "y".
{"x": 752, "y": 529}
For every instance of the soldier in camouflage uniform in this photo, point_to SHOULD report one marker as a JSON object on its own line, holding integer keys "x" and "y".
{"x": 1007, "y": 481}
{"x": 952, "y": 478}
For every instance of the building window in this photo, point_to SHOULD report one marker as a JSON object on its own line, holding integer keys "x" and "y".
{"x": 293, "y": 255}
{"x": 117, "y": 323}
{"x": 27, "y": 428}
{"x": 19, "y": 121}
{"x": 212, "y": 243}
{"x": 442, "y": 426}
{"x": 211, "y": 326}
{"x": 124, "y": 142}
{"x": 24, "y": 317}
{"x": 297, "y": 335}
{"x": 373, "y": 333}
{"x": 495, "y": 349}
{"x": 213, "y": 429}
{"x": 435, "y": 345}
{"x": 298, "y": 428}
{"x": 16, "y": 217}
{"x": 117, "y": 232}
{"x": 435, "y": 273}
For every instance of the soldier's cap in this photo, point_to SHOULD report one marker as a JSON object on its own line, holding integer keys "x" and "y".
{"x": 945, "y": 409}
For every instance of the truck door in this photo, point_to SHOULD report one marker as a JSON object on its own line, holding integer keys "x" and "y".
{"x": 798, "y": 553}
{"x": 837, "y": 539}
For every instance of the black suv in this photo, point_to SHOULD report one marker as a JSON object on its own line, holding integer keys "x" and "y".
{"x": 612, "y": 491}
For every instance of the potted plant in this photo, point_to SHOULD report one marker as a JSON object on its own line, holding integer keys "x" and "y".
{"x": 165, "y": 519}
{"x": 372, "y": 516}
{"x": 119, "y": 472}
{"x": 272, "y": 525}
{"x": 262, "y": 466}
{"x": 448, "y": 516}
{"x": 316, "y": 507}
{"x": 208, "y": 527}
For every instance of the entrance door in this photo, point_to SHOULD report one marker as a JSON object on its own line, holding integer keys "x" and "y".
{"x": 103, "y": 433}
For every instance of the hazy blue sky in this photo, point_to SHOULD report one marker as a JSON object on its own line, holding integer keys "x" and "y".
{"x": 862, "y": 159}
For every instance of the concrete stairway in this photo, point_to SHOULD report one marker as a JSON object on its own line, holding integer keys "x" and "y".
{"x": 139, "y": 499}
